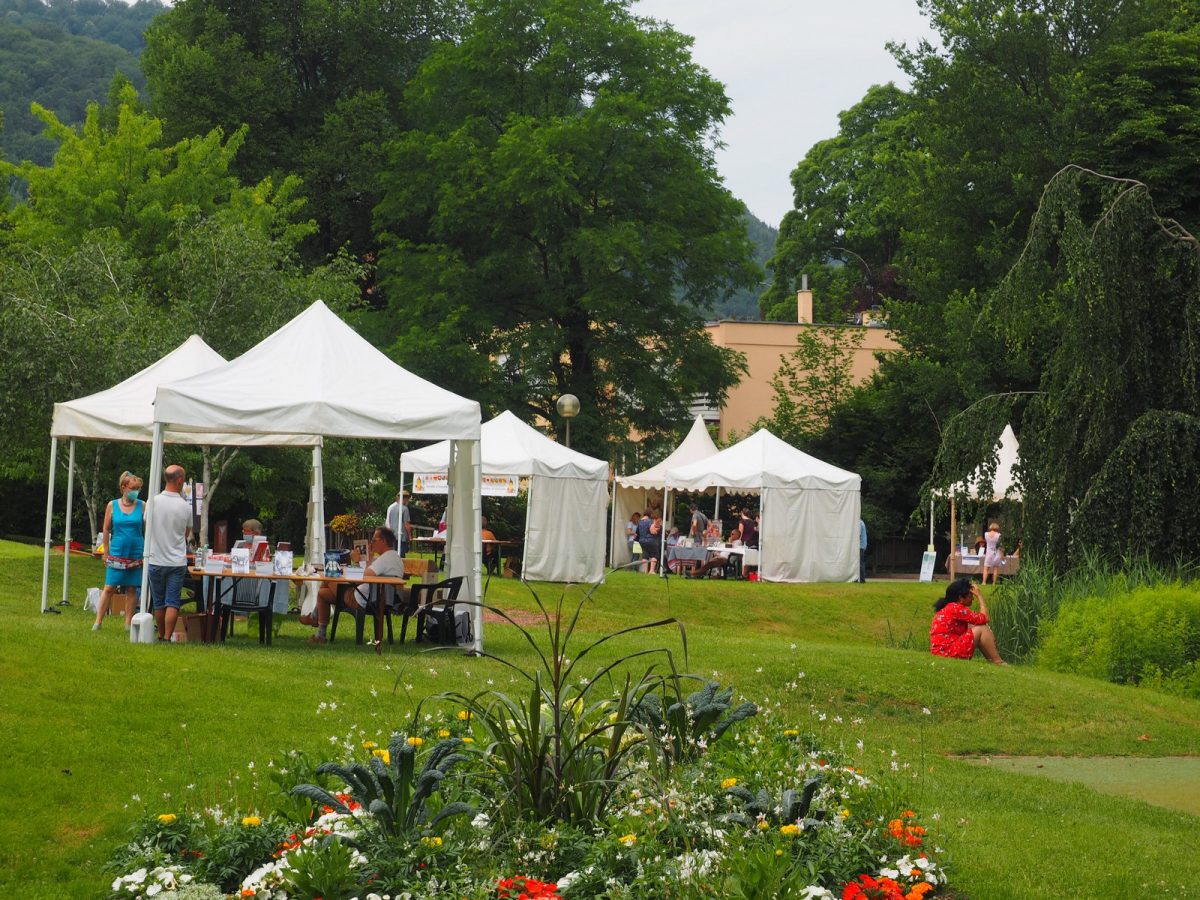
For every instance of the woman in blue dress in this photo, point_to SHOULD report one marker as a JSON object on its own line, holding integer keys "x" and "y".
{"x": 124, "y": 543}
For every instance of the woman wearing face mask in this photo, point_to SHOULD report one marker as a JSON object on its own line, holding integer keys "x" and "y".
{"x": 124, "y": 541}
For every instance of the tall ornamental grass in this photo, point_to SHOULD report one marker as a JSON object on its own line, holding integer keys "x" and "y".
{"x": 1022, "y": 607}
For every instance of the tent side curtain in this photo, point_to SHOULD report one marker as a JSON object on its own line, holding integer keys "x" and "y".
{"x": 564, "y": 533}
{"x": 809, "y": 535}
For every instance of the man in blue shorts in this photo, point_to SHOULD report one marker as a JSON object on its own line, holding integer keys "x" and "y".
{"x": 166, "y": 550}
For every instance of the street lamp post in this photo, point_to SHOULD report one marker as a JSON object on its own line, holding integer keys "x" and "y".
{"x": 568, "y": 408}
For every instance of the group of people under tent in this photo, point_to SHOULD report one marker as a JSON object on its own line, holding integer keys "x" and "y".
{"x": 643, "y": 533}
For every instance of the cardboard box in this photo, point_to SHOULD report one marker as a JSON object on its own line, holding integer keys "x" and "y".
{"x": 116, "y": 605}
{"x": 189, "y": 628}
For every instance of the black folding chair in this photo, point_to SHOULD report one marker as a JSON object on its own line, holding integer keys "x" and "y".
{"x": 375, "y": 594}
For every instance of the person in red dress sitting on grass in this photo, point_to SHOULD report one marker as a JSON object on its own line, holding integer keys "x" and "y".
{"x": 957, "y": 630}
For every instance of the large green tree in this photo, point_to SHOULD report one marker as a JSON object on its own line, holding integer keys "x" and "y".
{"x": 852, "y": 193}
{"x": 318, "y": 82}
{"x": 558, "y": 186}
{"x": 125, "y": 246}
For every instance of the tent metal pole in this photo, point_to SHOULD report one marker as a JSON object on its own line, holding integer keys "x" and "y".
{"x": 49, "y": 515}
{"x": 717, "y": 505}
{"x": 612, "y": 531}
{"x": 156, "y": 467}
{"x": 319, "y": 487}
{"x": 67, "y": 528}
{"x": 931, "y": 524}
{"x": 953, "y": 536}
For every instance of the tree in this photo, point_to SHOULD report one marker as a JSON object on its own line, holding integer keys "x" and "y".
{"x": 125, "y": 247}
{"x": 1119, "y": 358}
{"x": 318, "y": 83}
{"x": 852, "y": 193}
{"x": 558, "y": 185}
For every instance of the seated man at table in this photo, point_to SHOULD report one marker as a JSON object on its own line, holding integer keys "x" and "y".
{"x": 386, "y": 563}
{"x": 491, "y": 552}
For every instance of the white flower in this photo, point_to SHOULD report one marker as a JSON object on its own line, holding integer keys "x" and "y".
{"x": 481, "y": 821}
{"x": 329, "y": 683}
{"x": 889, "y": 873}
{"x": 858, "y": 744}
{"x": 153, "y": 889}
{"x": 816, "y": 892}
{"x": 925, "y": 711}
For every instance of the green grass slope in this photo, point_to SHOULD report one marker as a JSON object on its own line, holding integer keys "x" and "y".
{"x": 99, "y": 729}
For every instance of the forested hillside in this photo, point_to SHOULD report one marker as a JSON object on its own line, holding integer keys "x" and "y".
{"x": 63, "y": 55}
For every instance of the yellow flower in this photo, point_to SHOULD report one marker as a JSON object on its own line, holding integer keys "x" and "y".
{"x": 369, "y": 745}
{"x": 728, "y": 783}
{"x": 384, "y": 755}
{"x": 789, "y": 830}
{"x": 779, "y": 853}
{"x": 415, "y": 741}
{"x": 432, "y": 842}
{"x": 763, "y": 825}
{"x": 443, "y": 732}
{"x": 463, "y": 715}
{"x": 167, "y": 818}
{"x": 628, "y": 839}
{"x": 468, "y": 740}
{"x": 845, "y": 814}
{"x": 791, "y": 732}
{"x": 251, "y": 821}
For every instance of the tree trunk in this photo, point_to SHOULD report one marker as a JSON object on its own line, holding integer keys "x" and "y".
{"x": 215, "y": 464}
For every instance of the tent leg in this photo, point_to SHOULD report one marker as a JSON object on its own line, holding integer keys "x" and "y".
{"x": 953, "y": 536}
{"x": 717, "y": 505}
{"x": 155, "y": 479}
{"x": 67, "y": 529}
{"x": 49, "y": 515}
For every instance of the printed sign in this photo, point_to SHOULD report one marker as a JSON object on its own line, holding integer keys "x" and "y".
{"x": 490, "y": 485}
{"x": 928, "y": 558}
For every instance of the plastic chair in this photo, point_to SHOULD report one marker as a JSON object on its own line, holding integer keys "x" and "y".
{"x": 374, "y": 592}
{"x": 422, "y": 598}
{"x": 246, "y": 596}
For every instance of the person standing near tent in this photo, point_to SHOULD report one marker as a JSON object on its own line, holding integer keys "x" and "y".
{"x": 749, "y": 529}
{"x": 124, "y": 540}
{"x": 166, "y": 550}
{"x": 400, "y": 522}
{"x": 699, "y": 524}
{"x": 862, "y": 552}
{"x": 991, "y": 555}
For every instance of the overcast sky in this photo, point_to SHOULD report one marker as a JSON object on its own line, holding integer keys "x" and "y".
{"x": 789, "y": 67}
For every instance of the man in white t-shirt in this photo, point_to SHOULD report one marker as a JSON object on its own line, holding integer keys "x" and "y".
{"x": 386, "y": 563}
{"x": 399, "y": 521}
{"x": 166, "y": 550}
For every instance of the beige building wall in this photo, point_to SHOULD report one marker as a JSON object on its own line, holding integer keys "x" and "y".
{"x": 765, "y": 344}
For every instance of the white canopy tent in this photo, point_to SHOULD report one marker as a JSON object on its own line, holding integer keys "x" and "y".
{"x": 1004, "y": 485}
{"x": 631, "y": 492}
{"x": 317, "y": 375}
{"x": 125, "y": 413}
{"x": 564, "y": 521}
{"x": 810, "y": 509}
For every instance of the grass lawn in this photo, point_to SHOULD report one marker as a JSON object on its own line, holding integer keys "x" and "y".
{"x": 99, "y": 729}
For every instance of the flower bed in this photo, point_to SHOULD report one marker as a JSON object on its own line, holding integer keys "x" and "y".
{"x": 763, "y": 813}
{"x": 648, "y": 791}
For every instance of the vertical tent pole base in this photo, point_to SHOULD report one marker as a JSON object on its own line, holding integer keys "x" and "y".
{"x": 67, "y": 529}
{"x": 49, "y": 515}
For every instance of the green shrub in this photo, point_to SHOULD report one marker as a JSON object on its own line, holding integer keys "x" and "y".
{"x": 1150, "y": 634}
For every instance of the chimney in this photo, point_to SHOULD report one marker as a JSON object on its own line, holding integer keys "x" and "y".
{"x": 804, "y": 313}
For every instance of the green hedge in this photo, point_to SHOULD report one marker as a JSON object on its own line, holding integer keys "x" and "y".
{"x": 1150, "y": 635}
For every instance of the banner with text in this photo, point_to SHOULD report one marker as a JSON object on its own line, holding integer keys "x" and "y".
{"x": 491, "y": 485}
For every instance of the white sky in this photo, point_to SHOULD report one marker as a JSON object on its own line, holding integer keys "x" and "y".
{"x": 789, "y": 67}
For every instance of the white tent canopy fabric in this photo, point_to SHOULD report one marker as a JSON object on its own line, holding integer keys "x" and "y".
{"x": 317, "y": 375}
{"x": 1004, "y": 484}
{"x": 810, "y": 509}
{"x": 125, "y": 413}
{"x": 631, "y": 492}
{"x": 564, "y": 526}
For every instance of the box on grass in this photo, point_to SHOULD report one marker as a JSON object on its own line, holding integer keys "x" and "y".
{"x": 189, "y": 628}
